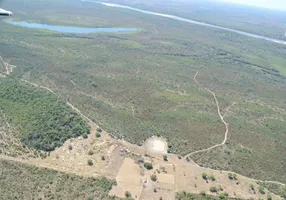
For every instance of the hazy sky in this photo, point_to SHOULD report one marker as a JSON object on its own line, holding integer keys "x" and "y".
{"x": 273, "y": 4}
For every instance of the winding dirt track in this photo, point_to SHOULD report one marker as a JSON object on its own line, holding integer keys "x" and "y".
{"x": 221, "y": 117}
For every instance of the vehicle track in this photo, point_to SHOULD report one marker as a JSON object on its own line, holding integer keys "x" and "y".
{"x": 221, "y": 117}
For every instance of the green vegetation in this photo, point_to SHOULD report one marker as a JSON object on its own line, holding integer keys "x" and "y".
{"x": 230, "y": 176}
{"x": 148, "y": 166}
{"x": 251, "y": 186}
{"x": 98, "y": 135}
{"x": 204, "y": 176}
{"x": 137, "y": 85}
{"x": 275, "y": 188}
{"x": 165, "y": 158}
{"x": 128, "y": 194}
{"x": 212, "y": 178}
{"x": 45, "y": 121}
{"x": 202, "y": 196}
{"x": 20, "y": 181}
{"x": 261, "y": 189}
{"x": 213, "y": 189}
{"x": 221, "y": 196}
{"x": 90, "y": 162}
{"x": 269, "y": 197}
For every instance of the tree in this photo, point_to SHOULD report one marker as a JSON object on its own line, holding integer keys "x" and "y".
{"x": 221, "y": 196}
{"x": 97, "y": 135}
{"x": 165, "y": 158}
{"x": 148, "y": 166}
{"x": 251, "y": 185}
{"x": 213, "y": 189}
{"x": 205, "y": 176}
{"x": 261, "y": 189}
{"x": 89, "y": 162}
{"x": 212, "y": 178}
{"x": 127, "y": 194}
{"x": 153, "y": 177}
{"x": 203, "y": 193}
{"x": 230, "y": 176}
{"x": 269, "y": 197}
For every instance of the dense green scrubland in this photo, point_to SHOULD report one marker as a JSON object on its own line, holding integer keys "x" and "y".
{"x": 21, "y": 181}
{"x": 44, "y": 120}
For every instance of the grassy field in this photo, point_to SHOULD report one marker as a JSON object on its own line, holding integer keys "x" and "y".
{"x": 136, "y": 85}
{"x": 20, "y": 181}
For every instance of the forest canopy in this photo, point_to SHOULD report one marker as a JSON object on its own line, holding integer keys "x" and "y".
{"x": 44, "y": 120}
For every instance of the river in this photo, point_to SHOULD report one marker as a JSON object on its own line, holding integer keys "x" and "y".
{"x": 190, "y": 21}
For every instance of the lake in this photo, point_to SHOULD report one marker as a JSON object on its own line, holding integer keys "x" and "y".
{"x": 69, "y": 29}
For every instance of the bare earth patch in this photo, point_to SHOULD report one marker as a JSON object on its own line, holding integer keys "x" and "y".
{"x": 156, "y": 144}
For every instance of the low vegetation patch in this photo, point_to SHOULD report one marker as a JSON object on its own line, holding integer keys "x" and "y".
{"x": 21, "y": 181}
{"x": 202, "y": 196}
{"x": 45, "y": 121}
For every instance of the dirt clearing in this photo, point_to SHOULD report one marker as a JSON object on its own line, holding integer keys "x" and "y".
{"x": 156, "y": 144}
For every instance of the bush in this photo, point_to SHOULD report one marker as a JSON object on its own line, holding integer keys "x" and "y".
{"x": 165, "y": 158}
{"x": 153, "y": 177}
{"x": 261, "y": 189}
{"x": 221, "y": 196}
{"x": 235, "y": 176}
{"x": 212, "y": 178}
{"x": 230, "y": 176}
{"x": 89, "y": 162}
{"x": 99, "y": 130}
{"x": 148, "y": 166}
{"x": 220, "y": 188}
{"x": 127, "y": 194}
{"x": 204, "y": 176}
{"x": 269, "y": 197}
{"x": 203, "y": 193}
{"x": 251, "y": 185}
{"x": 226, "y": 194}
{"x": 102, "y": 157}
{"x": 97, "y": 135}
{"x": 213, "y": 189}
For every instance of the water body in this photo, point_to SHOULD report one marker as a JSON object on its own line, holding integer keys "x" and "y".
{"x": 68, "y": 29}
{"x": 190, "y": 21}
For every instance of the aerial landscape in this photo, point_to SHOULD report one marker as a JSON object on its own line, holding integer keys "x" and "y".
{"x": 149, "y": 100}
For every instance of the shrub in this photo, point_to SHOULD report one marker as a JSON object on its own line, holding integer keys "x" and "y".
{"x": 204, "y": 176}
{"x": 203, "y": 193}
{"x": 127, "y": 194}
{"x": 114, "y": 182}
{"x": 235, "y": 176}
{"x": 226, "y": 194}
{"x": 213, "y": 189}
{"x": 70, "y": 147}
{"x": 99, "y": 130}
{"x": 89, "y": 198}
{"x": 97, "y": 135}
{"x": 165, "y": 158}
{"x": 261, "y": 189}
{"x": 212, "y": 178}
{"x": 220, "y": 188}
{"x": 221, "y": 196}
{"x": 230, "y": 176}
{"x": 269, "y": 197}
{"x": 148, "y": 166}
{"x": 102, "y": 157}
{"x": 153, "y": 177}
{"x": 251, "y": 185}
{"x": 89, "y": 162}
